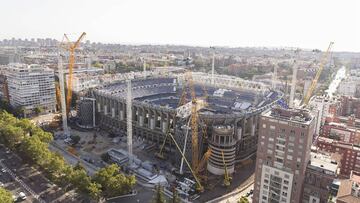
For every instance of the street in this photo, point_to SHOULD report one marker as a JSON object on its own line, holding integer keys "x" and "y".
{"x": 22, "y": 177}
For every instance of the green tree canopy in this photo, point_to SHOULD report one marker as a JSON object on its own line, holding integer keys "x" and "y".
{"x": 5, "y": 196}
{"x": 112, "y": 182}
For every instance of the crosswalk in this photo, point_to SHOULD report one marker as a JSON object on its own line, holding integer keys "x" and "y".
{"x": 26, "y": 187}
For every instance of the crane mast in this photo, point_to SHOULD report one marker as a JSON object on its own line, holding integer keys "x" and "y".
{"x": 317, "y": 76}
{"x": 71, "y": 47}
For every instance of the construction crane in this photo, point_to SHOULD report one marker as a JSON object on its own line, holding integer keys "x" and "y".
{"x": 317, "y": 76}
{"x": 203, "y": 161}
{"x": 227, "y": 178}
{"x": 58, "y": 97}
{"x": 194, "y": 125}
{"x": 71, "y": 47}
{"x": 160, "y": 154}
{"x": 199, "y": 187}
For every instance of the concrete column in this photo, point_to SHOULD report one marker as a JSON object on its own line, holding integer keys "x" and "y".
{"x": 122, "y": 112}
{"x": 141, "y": 117}
{"x": 253, "y": 126}
{"x": 105, "y": 110}
{"x": 112, "y": 104}
{"x": 152, "y": 119}
{"x": 165, "y": 120}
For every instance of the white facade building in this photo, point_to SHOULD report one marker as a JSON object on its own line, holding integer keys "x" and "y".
{"x": 31, "y": 86}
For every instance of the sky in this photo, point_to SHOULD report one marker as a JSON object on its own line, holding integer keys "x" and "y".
{"x": 270, "y": 23}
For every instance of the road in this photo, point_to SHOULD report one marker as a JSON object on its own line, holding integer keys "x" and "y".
{"x": 340, "y": 75}
{"x": 234, "y": 198}
{"x": 144, "y": 194}
{"x": 22, "y": 177}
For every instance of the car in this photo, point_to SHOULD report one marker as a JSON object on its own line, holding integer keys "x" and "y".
{"x": 3, "y": 170}
{"x": 22, "y": 196}
{"x": 2, "y": 184}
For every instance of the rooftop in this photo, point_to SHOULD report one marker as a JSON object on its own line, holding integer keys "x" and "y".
{"x": 295, "y": 115}
{"x": 323, "y": 163}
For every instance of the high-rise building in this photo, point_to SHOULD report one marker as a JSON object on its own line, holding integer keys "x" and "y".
{"x": 285, "y": 137}
{"x": 31, "y": 87}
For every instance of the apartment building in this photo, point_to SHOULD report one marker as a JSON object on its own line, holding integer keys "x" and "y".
{"x": 341, "y": 132}
{"x": 349, "y": 152}
{"x": 285, "y": 137}
{"x": 320, "y": 173}
{"x": 31, "y": 87}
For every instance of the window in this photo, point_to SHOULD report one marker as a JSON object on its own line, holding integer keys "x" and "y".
{"x": 272, "y": 127}
{"x": 289, "y": 157}
{"x": 286, "y": 182}
{"x": 269, "y": 151}
{"x": 264, "y": 125}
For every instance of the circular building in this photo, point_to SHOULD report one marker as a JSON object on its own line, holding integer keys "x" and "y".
{"x": 222, "y": 143}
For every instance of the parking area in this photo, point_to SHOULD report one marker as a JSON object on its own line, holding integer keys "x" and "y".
{"x": 18, "y": 176}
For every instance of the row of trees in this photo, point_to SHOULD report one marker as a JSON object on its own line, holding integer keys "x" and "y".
{"x": 32, "y": 142}
{"x": 5, "y": 196}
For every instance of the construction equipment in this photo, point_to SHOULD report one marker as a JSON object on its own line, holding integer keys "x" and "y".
{"x": 58, "y": 97}
{"x": 227, "y": 178}
{"x": 317, "y": 76}
{"x": 194, "y": 125}
{"x": 160, "y": 154}
{"x": 71, "y": 47}
{"x": 199, "y": 187}
{"x": 203, "y": 161}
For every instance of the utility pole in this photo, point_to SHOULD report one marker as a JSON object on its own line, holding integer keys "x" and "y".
{"x": 62, "y": 96}
{"x": 213, "y": 66}
{"x": 129, "y": 120}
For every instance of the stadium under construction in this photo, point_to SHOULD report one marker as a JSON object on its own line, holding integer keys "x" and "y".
{"x": 228, "y": 110}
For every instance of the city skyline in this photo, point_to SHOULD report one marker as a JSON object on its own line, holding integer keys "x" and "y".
{"x": 303, "y": 24}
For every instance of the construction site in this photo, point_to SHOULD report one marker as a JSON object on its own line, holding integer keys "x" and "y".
{"x": 189, "y": 131}
{"x": 193, "y": 123}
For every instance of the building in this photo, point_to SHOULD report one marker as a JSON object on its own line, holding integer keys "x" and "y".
{"x": 342, "y": 132}
{"x": 31, "y": 87}
{"x": 285, "y": 137}
{"x": 349, "y": 190}
{"x": 319, "y": 176}
{"x": 230, "y": 118}
{"x": 350, "y": 154}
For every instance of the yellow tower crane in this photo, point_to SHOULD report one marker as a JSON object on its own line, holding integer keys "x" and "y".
{"x": 317, "y": 76}
{"x": 227, "y": 178}
{"x": 71, "y": 47}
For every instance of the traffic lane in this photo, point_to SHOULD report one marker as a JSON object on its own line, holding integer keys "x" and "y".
{"x": 14, "y": 187}
{"x": 26, "y": 173}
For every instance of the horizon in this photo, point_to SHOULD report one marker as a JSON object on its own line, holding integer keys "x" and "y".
{"x": 259, "y": 23}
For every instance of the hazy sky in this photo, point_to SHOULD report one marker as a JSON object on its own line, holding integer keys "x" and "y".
{"x": 296, "y": 23}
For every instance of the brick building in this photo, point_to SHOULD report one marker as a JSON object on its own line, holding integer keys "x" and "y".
{"x": 350, "y": 154}
{"x": 320, "y": 174}
{"x": 285, "y": 137}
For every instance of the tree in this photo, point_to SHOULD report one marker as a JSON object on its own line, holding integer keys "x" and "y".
{"x": 5, "y": 196}
{"x": 243, "y": 200}
{"x": 94, "y": 190}
{"x": 159, "y": 195}
{"x": 112, "y": 182}
{"x": 80, "y": 180}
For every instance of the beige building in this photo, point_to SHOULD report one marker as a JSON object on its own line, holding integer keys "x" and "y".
{"x": 285, "y": 137}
